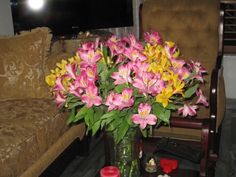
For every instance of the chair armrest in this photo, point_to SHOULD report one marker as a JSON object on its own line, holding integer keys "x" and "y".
{"x": 214, "y": 86}
{"x": 188, "y": 123}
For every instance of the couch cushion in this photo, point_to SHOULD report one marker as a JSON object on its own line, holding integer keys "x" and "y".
{"x": 21, "y": 64}
{"x": 26, "y": 132}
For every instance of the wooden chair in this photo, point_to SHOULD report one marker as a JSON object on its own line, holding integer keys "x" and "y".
{"x": 197, "y": 28}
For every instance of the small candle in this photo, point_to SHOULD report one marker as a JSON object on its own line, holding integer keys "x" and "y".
{"x": 110, "y": 171}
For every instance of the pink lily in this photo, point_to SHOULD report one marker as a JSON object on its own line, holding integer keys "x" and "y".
{"x": 177, "y": 63}
{"x": 133, "y": 43}
{"x": 188, "y": 110}
{"x": 71, "y": 70}
{"x": 134, "y": 54}
{"x": 144, "y": 118}
{"x": 89, "y": 57}
{"x": 148, "y": 83}
{"x": 75, "y": 89}
{"x": 88, "y": 46}
{"x": 110, "y": 101}
{"x": 126, "y": 99}
{"x": 90, "y": 72}
{"x": 123, "y": 74}
{"x": 140, "y": 67}
{"x": 201, "y": 98}
{"x": 82, "y": 80}
{"x": 60, "y": 99}
{"x": 58, "y": 85}
{"x": 170, "y": 51}
{"x": 196, "y": 66}
{"x": 91, "y": 96}
{"x": 183, "y": 72}
{"x": 153, "y": 38}
{"x": 115, "y": 45}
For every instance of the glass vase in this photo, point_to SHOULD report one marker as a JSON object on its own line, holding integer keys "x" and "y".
{"x": 124, "y": 154}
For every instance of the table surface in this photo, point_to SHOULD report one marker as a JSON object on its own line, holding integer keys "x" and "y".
{"x": 175, "y": 173}
{"x": 148, "y": 146}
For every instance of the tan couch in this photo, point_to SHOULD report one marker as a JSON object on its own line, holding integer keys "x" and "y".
{"x": 32, "y": 131}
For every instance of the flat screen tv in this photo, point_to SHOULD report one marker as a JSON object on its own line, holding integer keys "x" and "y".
{"x": 66, "y": 17}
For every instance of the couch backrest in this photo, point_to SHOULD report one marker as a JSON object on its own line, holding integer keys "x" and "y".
{"x": 21, "y": 64}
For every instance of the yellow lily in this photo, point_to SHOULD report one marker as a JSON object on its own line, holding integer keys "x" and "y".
{"x": 164, "y": 96}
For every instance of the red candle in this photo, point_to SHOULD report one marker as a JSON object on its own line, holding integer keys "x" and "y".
{"x": 110, "y": 171}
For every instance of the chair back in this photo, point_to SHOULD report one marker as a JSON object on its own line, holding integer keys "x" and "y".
{"x": 192, "y": 24}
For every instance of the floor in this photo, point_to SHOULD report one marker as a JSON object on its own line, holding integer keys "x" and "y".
{"x": 89, "y": 165}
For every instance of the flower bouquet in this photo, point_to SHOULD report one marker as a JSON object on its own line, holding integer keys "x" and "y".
{"x": 123, "y": 83}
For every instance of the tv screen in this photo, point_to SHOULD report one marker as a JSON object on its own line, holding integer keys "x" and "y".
{"x": 72, "y": 16}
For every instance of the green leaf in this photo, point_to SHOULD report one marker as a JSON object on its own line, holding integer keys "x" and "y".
{"x": 105, "y": 52}
{"x": 89, "y": 117}
{"x": 190, "y": 77}
{"x": 128, "y": 118}
{"x": 171, "y": 106}
{"x": 104, "y": 75}
{"x": 95, "y": 127}
{"x": 98, "y": 111}
{"x": 75, "y": 104}
{"x": 108, "y": 121}
{"x": 109, "y": 114}
{"x": 100, "y": 67}
{"x": 119, "y": 88}
{"x": 144, "y": 132}
{"x": 122, "y": 131}
{"x": 114, "y": 124}
{"x": 81, "y": 113}
{"x": 71, "y": 116}
{"x": 190, "y": 91}
{"x": 161, "y": 112}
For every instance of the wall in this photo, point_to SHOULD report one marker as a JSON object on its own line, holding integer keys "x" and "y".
{"x": 6, "y": 24}
{"x": 229, "y": 63}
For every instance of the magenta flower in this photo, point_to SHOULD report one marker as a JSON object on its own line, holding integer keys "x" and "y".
{"x": 144, "y": 118}
{"x": 188, "y": 110}
{"x": 126, "y": 99}
{"x": 170, "y": 51}
{"x": 152, "y": 38}
{"x": 115, "y": 45}
{"x": 134, "y": 54}
{"x": 183, "y": 72}
{"x": 123, "y": 74}
{"x": 91, "y": 96}
{"x": 90, "y": 72}
{"x": 201, "y": 98}
{"x": 111, "y": 101}
{"x": 71, "y": 70}
{"x": 75, "y": 89}
{"x": 82, "y": 80}
{"x": 89, "y": 57}
{"x": 134, "y": 43}
{"x": 148, "y": 83}
{"x": 140, "y": 67}
{"x": 88, "y": 46}
{"x": 60, "y": 99}
{"x": 59, "y": 86}
{"x": 198, "y": 69}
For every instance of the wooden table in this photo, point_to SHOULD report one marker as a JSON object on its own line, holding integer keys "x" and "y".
{"x": 149, "y": 146}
